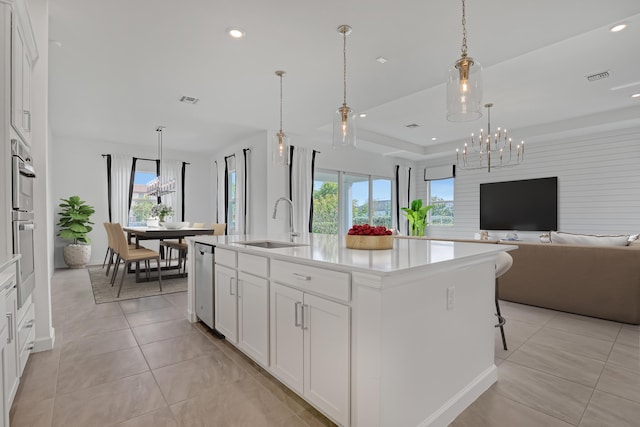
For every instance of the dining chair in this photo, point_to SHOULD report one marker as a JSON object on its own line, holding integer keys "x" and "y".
{"x": 178, "y": 245}
{"x": 128, "y": 255}
{"x": 504, "y": 261}
{"x": 111, "y": 251}
{"x": 218, "y": 228}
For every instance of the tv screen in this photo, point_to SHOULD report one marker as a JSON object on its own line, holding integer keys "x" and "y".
{"x": 526, "y": 205}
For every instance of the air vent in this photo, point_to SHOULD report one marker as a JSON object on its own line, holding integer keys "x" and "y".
{"x": 412, "y": 125}
{"x": 189, "y": 100}
{"x": 598, "y": 76}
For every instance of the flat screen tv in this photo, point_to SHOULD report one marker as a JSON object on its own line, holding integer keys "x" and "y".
{"x": 526, "y": 205}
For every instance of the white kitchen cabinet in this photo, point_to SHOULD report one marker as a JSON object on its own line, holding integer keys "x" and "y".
{"x": 11, "y": 361}
{"x": 310, "y": 340}
{"x": 21, "y": 66}
{"x": 253, "y": 317}
{"x": 226, "y": 313}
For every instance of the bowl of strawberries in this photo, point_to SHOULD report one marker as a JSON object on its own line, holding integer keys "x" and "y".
{"x": 367, "y": 236}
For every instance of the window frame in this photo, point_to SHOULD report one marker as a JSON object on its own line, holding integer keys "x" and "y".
{"x": 443, "y": 202}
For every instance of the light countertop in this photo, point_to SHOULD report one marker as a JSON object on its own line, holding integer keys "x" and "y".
{"x": 322, "y": 249}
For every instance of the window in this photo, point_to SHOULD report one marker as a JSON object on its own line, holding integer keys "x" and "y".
{"x": 341, "y": 200}
{"x": 441, "y": 197}
{"x": 141, "y": 202}
{"x": 231, "y": 207}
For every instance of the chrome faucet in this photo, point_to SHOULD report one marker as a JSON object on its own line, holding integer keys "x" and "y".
{"x": 275, "y": 211}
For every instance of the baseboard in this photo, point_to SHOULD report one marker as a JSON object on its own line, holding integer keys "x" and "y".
{"x": 461, "y": 400}
{"x": 44, "y": 343}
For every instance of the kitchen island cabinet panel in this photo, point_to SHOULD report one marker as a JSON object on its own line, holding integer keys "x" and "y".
{"x": 226, "y": 289}
{"x": 253, "y": 317}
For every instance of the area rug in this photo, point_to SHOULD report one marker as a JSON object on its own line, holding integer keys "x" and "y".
{"x": 104, "y": 292}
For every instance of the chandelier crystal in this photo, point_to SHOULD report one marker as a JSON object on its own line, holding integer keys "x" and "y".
{"x": 464, "y": 85}
{"x": 157, "y": 186}
{"x": 280, "y": 139}
{"x": 344, "y": 119}
{"x": 489, "y": 151}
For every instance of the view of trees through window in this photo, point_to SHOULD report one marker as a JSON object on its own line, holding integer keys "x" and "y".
{"x": 441, "y": 197}
{"x": 141, "y": 202}
{"x": 231, "y": 207}
{"x": 341, "y": 200}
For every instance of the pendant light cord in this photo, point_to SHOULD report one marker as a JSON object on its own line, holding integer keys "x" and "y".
{"x": 344, "y": 54}
{"x": 464, "y": 30}
{"x": 281, "y": 102}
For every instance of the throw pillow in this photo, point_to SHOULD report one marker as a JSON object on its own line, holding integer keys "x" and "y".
{"x": 635, "y": 243}
{"x": 588, "y": 239}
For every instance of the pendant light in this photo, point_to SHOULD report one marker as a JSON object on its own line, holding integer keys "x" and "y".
{"x": 157, "y": 186}
{"x": 280, "y": 139}
{"x": 464, "y": 86}
{"x": 344, "y": 121}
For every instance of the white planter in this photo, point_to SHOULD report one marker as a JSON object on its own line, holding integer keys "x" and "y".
{"x": 77, "y": 256}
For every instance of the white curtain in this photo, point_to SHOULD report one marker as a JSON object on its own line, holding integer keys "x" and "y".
{"x": 242, "y": 191}
{"x": 120, "y": 175}
{"x": 301, "y": 187}
{"x": 172, "y": 170}
{"x": 404, "y": 199}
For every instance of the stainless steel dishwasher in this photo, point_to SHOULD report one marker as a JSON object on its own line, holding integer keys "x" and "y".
{"x": 204, "y": 258}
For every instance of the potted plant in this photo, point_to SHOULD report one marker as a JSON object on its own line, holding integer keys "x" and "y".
{"x": 75, "y": 224}
{"x": 161, "y": 211}
{"x": 417, "y": 216}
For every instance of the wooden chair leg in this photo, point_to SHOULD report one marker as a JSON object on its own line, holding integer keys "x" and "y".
{"x": 124, "y": 272}
{"x": 159, "y": 273}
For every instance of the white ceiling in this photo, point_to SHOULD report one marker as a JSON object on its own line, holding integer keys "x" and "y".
{"x": 122, "y": 65}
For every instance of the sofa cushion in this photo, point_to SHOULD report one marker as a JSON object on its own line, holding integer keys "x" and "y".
{"x": 635, "y": 243}
{"x": 588, "y": 239}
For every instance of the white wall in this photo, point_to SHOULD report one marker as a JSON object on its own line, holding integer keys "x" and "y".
{"x": 79, "y": 169}
{"x": 598, "y": 184}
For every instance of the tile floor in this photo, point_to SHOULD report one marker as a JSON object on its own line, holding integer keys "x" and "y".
{"x": 139, "y": 363}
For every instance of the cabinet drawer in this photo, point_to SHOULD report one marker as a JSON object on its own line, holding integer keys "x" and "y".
{"x": 25, "y": 327}
{"x": 334, "y": 284}
{"x": 253, "y": 264}
{"x": 26, "y": 351}
{"x": 225, "y": 257}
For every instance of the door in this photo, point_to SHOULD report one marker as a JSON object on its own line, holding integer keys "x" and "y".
{"x": 226, "y": 302}
{"x": 253, "y": 317}
{"x": 204, "y": 283}
{"x": 287, "y": 335}
{"x": 326, "y": 328}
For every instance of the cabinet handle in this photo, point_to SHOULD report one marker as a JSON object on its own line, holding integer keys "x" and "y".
{"x": 31, "y": 347}
{"x": 305, "y": 318}
{"x": 231, "y": 286}
{"x": 27, "y": 114}
{"x": 10, "y": 320}
{"x": 297, "y": 322}
{"x": 301, "y": 276}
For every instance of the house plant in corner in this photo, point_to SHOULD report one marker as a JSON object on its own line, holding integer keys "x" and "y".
{"x": 74, "y": 225}
{"x": 417, "y": 216}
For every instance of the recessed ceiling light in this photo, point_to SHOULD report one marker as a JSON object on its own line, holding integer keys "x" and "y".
{"x": 236, "y": 32}
{"x": 363, "y": 115}
{"x": 617, "y": 28}
{"x": 382, "y": 59}
{"x": 636, "y": 95}
{"x": 434, "y": 138}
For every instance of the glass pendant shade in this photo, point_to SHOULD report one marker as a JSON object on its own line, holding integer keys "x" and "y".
{"x": 344, "y": 128}
{"x": 280, "y": 149}
{"x": 464, "y": 90}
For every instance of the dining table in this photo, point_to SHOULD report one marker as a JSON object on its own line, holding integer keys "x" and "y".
{"x": 161, "y": 233}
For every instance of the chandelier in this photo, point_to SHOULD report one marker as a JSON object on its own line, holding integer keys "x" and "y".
{"x": 280, "y": 139}
{"x": 490, "y": 151}
{"x": 344, "y": 120}
{"x": 157, "y": 186}
{"x": 464, "y": 85}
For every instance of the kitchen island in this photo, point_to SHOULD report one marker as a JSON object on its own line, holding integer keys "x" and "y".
{"x": 397, "y": 337}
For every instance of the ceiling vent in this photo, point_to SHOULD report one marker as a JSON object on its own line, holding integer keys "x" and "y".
{"x": 189, "y": 100}
{"x": 412, "y": 125}
{"x": 598, "y": 76}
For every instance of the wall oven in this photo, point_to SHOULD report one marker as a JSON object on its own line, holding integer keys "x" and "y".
{"x": 22, "y": 179}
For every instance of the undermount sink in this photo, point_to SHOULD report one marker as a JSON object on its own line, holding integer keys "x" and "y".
{"x": 271, "y": 244}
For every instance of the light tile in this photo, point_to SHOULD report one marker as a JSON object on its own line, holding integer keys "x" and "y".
{"x": 573, "y": 343}
{"x": 546, "y": 393}
{"x": 629, "y": 336}
{"x": 287, "y": 397}
{"x": 608, "y": 410}
{"x": 240, "y": 403}
{"x": 583, "y": 325}
{"x": 160, "y": 418}
{"x": 38, "y": 381}
{"x": 625, "y": 356}
{"x": 95, "y": 327}
{"x": 178, "y": 349}
{"x": 77, "y": 374}
{"x": 188, "y": 379}
{"x": 161, "y": 331}
{"x": 144, "y": 304}
{"x": 178, "y": 300}
{"x": 526, "y": 313}
{"x": 92, "y": 311}
{"x": 92, "y": 345}
{"x": 108, "y": 403}
{"x": 494, "y": 410}
{"x": 153, "y": 316}
{"x": 572, "y": 367}
{"x": 620, "y": 381}
{"x": 32, "y": 414}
